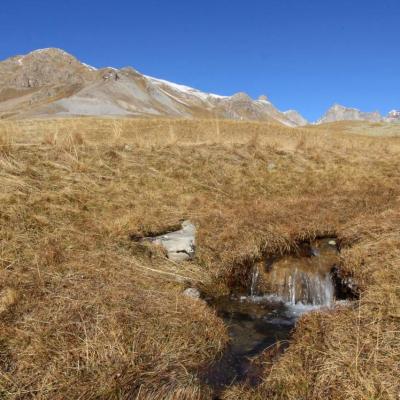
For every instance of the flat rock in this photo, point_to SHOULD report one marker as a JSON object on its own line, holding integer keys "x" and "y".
{"x": 180, "y": 245}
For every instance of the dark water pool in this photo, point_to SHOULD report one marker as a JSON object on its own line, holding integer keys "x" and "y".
{"x": 254, "y": 324}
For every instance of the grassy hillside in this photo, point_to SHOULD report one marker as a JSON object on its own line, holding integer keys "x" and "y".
{"x": 85, "y": 312}
{"x": 387, "y": 129}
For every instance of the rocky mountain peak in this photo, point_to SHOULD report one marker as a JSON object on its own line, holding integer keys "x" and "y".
{"x": 337, "y": 107}
{"x": 393, "y": 116}
{"x": 341, "y": 113}
{"x": 40, "y": 68}
{"x": 50, "y": 52}
{"x": 52, "y": 82}
{"x": 296, "y": 118}
{"x": 241, "y": 97}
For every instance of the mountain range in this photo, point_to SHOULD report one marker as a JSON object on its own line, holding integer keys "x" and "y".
{"x": 51, "y": 82}
{"x": 341, "y": 113}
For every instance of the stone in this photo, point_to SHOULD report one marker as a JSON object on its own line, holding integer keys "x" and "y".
{"x": 192, "y": 293}
{"x": 180, "y": 245}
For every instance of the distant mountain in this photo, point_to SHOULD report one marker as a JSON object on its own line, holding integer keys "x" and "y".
{"x": 295, "y": 117}
{"x": 341, "y": 113}
{"x": 51, "y": 82}
{"x": 393, "y": 116}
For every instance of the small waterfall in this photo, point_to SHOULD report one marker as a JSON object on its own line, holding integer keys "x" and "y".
{"x": 305, "y": 287}
{"x": 302, "y": 278}
{"x": 254, "y": 278}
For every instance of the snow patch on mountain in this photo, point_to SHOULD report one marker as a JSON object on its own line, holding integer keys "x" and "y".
{"x": 54, "y": 82}
{"x": 183, "y": 88}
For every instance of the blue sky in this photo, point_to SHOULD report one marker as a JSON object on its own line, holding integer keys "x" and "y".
{"x": 304, "y": 54}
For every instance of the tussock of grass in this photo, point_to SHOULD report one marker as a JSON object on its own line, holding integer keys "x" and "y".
{"x": 86, "y": 312}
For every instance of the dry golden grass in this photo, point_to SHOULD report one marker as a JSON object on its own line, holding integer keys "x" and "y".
{"x": 382, "y": 129}
{"x": 85, "y": 313}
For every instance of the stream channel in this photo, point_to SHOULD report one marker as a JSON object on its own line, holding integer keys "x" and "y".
{"x": 281, "y": 289}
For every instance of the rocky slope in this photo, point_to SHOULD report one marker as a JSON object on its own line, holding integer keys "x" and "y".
{"x": 296, "y": 117}
{"x": 393, "y": 116}
{"x": 341, "y": 113}
{"x": 51, "y": 82}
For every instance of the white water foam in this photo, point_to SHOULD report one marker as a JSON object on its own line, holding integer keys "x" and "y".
{"x": 254, "y": 279}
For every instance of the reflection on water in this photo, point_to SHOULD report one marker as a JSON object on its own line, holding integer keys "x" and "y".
{"x": 254, "y": 324}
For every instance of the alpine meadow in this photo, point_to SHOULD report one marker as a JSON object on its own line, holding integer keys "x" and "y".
{"x": 159, "y": 241}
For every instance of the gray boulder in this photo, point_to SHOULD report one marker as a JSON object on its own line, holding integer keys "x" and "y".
{"x": 180, "y": 245}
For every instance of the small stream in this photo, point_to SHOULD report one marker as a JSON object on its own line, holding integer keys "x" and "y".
{"x": 280, "y": 291}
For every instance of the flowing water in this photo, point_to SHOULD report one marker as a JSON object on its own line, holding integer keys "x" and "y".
{"x": 280, "y": 291}
{"x": 254, "y": 279}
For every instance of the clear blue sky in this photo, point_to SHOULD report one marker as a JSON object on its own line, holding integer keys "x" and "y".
{"x": 303, "y": 54}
